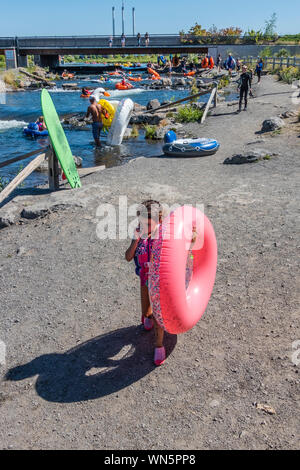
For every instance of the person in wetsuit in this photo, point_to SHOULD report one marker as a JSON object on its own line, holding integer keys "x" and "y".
{"x": 245, "y": 83}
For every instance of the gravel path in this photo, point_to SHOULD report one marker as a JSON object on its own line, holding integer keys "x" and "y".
{"x": 79, "y": 370}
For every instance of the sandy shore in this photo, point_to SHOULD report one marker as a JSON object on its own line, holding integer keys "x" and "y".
{"x": 79, "y": 368}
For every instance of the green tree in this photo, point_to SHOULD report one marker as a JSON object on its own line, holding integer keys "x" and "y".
{"x": 271, "y": 26}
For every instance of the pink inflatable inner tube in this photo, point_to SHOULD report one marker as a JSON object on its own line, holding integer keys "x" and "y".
{"x": 182, "y": 269}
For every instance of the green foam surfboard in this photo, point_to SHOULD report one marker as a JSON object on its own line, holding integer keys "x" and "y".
{"x": 59, "y": 140}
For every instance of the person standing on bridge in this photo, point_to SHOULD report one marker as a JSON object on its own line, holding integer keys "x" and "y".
{"x": 123, "y": 40}
{"x": 139, "y": 39}
{"x": 96, "y": 111}
{"x": 147, "y": 39}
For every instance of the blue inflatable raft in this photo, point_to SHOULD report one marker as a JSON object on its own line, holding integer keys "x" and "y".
{"x": 189, "y": 147}
{"x": 33, "y": 130}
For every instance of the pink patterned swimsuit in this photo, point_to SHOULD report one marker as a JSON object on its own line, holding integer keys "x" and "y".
{"x": 142, "y": 259}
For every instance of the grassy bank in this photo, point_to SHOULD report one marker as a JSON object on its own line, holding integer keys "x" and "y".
{"x": 117, "y": 59}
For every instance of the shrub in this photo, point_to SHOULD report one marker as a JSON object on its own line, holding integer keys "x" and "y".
{"x": 282, "y": 53}
{"x": 9, "y": 78}
{"x": 194, "y": 90}
{"x": 266, "y": 52}
{"x": 224, "y": 81}
{"x": 189, "y": 113}
{"x": 150, "y": 132}
{"x": 135, "y": 131}
{"x": 3, "y": 182}
{"x": 289, "y": 74}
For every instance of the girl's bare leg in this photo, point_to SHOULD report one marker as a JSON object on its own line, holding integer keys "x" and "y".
{"x": 159, "y": 335}
{"x": 145, "y": 302}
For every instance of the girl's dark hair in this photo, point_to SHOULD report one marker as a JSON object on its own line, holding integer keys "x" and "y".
{"x": 151, "y": 209}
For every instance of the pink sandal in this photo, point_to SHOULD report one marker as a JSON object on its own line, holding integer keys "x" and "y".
{"x": 148, "y": 323}
{"x": 159, "y": 356}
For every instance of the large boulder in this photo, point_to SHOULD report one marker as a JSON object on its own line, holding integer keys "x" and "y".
{"x": 153, "y": 104}
{"x": 166, "y": 81}
{"x": 70, "y": 86}
{"x": 179, "y": 82}
{"x": 251, "y": 156}
{"x": 152, "y": 119}
{"x": 138, "y": 108}
{"x": 272, "y": 124}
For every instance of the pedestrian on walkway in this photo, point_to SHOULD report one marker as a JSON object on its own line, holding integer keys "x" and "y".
{"x": 245, "y": 84}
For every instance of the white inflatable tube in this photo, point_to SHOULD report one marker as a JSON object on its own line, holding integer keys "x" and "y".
{"x": 115, "y": 103}
{"x": 120, "y": 122}
{"x": 98, "y": 93}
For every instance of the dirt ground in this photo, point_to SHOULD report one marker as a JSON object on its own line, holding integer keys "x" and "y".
{"x": 79, "y": 373}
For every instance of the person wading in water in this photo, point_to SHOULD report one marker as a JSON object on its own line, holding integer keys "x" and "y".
{"x": 245, "y": 83}
{"x": 96, "y": 111}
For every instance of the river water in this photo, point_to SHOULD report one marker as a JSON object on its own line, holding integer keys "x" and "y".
{"x": 20, "y": 108}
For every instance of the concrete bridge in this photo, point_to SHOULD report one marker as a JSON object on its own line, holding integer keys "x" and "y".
{"x": 48, "y": 49}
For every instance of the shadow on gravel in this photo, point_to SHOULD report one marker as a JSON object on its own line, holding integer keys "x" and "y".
{"x": 94, "y": 369}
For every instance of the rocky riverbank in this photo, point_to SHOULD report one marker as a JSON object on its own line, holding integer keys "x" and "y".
{"x": 33, "y": 78}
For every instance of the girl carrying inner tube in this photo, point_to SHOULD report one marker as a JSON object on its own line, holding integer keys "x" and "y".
{"x": 140, "y": 249}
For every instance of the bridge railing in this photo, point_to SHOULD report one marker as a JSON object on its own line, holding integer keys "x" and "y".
{"x": 7, "y": 43}
{"x": 95, "y": 41}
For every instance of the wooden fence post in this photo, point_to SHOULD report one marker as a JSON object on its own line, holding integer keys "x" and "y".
{"x": 53, "y": 170}
{"x": 288, "y": 62}
{"x": 214, "y": 91}
{"x": 274, "y": 62}
{"x": 216, "y": 95}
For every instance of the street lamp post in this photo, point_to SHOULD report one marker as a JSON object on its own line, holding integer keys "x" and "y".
{"x": 113, "y": 21}
{"x": 133, "y": 21}
{"x": 123, "y": 29}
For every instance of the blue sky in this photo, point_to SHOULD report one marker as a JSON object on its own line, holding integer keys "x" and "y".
{"x": 76, "y": 17}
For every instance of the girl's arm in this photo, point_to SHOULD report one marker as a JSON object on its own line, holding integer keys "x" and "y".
{"x": 129, "y": 255}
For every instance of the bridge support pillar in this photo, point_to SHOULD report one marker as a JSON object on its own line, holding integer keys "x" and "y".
{"x": 51, "y": 61}
{"x": 10, "y": 59}
{"x": 22, "y": 61}
{"x": 37, "y": 59}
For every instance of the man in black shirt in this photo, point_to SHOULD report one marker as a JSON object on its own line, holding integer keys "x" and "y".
{"x": 245, "y": 83}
